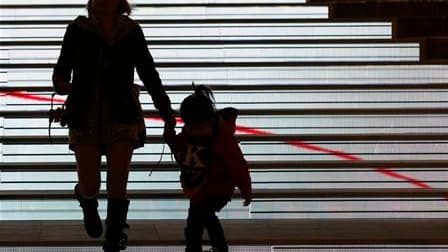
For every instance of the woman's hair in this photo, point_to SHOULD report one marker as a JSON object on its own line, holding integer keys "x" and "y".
{"x": 123, "y": 7}
{"x": 199, "y": 106}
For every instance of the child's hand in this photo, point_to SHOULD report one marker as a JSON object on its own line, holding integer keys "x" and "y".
{"x": 247, "y": 202}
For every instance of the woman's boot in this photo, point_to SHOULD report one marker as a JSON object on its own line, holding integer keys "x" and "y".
{"x": 116, "y": 237}
{"x": 92, "y": 221}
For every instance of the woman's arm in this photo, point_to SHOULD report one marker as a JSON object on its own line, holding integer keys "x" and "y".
{"x": 150, "y": 77}
{"x": 64, "y": 66}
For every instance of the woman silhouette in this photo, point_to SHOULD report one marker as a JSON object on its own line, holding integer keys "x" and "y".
{"x": 95, "y": 69}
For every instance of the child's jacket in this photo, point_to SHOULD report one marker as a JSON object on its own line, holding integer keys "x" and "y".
{"x": 211, "y": 161}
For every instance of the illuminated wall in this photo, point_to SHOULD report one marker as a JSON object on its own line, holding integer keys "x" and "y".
{"x": 290, "y": 70}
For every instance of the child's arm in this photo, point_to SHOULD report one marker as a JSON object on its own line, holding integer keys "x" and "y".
{"x": 244, "y": 181}
{"x": 238, "y": 164}
{"x": 240, "y": 170}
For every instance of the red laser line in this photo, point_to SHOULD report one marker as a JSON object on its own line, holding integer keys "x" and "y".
{"x": 25, "y": 95}
{"x": 340, "y": 154}
{"x": 246, "y": 130}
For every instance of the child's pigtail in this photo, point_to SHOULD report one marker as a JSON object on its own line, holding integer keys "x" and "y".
{"x": 204, "y": 92}
{"x": 199, "y": 106}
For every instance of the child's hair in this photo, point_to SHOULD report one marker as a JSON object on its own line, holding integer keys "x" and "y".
{"x": 199, "y": 106}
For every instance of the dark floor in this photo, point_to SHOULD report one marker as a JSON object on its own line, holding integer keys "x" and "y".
{"x": 300, "y": 248}
{"x": 307, "y": 235}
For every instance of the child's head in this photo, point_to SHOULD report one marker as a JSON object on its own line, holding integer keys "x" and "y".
{"x": 198, "y": 107}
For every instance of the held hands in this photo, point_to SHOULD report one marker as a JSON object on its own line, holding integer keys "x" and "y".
{"x": 170, "y": 124}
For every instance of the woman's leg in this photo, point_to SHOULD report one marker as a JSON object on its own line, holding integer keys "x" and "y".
{"x": 88, "y": 162}
{"x": 88, "y": 159}
{"x": 119, "y": 156}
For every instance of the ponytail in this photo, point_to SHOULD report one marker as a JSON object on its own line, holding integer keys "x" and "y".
{"x": 204, "y": 92}
{"x": 199, "y": 106}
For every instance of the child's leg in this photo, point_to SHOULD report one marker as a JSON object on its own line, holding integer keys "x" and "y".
{"x": 213, "y": 225}
{"x": 194, "y": 228}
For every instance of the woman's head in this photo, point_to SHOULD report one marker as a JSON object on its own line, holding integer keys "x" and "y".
{"x": 198, "y": 107}
{"x": 118, "y": 7}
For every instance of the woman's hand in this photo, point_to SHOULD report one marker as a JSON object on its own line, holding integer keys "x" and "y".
{"x": 64, "y": 88}
{"x": 60, "y": 85}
